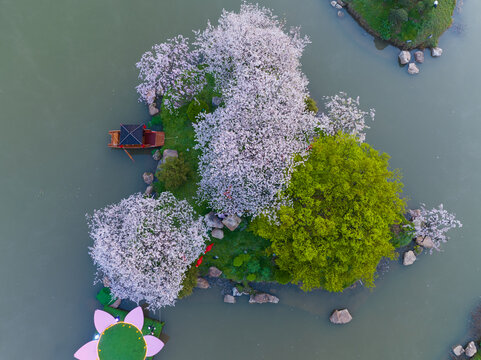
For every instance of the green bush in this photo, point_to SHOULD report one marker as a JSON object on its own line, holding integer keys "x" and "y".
{"x": 195, "y": 108}
{"x": 398, "y": 16}
{"x": 337, "y": 228}
{"x": 282, "y": 277}
{"x": 402, "y": 235}
{"x": 189, "y": 282}
{"x": 311, "y": 105}
{"x": 173, "y": 173}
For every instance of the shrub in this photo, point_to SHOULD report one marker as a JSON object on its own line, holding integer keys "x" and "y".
{"x": 195, "y": 108}
{"x": 189, "y": 282}
{"x": 311, "y": 105}
{"x": 173, "y": 173}
{"x": 398, "y": 16}
{"x": 282, "y": 277}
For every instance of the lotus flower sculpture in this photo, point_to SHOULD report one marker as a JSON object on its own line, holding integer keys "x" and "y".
{"x": 120, "y": 339}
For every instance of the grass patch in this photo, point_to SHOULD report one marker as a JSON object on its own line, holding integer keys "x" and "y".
{"x": 242, "y": 256}
{"x": 180, "y": 136}
{"x": 405, "y": 23}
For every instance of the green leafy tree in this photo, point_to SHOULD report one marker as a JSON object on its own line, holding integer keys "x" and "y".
{"x": 337, "y": 228}
{"x": 173, "y": 173}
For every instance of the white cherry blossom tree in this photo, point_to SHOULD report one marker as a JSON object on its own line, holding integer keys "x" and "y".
{"x": 144, "y": 246}
{"x": 170, "y": 71}
{"x": 248, "y": 146}
{"x": 343, "y": 114}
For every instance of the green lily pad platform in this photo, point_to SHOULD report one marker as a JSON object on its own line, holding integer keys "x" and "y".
{"x": 123, "y": 341}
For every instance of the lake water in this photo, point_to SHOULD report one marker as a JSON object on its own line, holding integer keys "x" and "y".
{"x": 67, "y": 76}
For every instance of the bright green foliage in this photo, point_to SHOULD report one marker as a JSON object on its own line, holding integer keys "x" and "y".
{"x": 311, "y": 105}
{"x": 195, "y": 108}
{"x": 190, "y": 281}
{"x": 406, "y": 23}
{"x": 173, "y": 172}
{"x": 344, "y": 201}
{"x": 242, "y": 256}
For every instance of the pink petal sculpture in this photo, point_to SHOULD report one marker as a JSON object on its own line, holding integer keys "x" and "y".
{"x": 104, "y": 320}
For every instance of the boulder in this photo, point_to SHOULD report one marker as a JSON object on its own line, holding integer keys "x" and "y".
{"x": 202, "y": 283}
{"x": 419, "y": 56}
{"x": 214, "y": 272}
{"x": 217, "y": 233}
{"x": 116, "y": 303}
{"x": 169, "y": 153}
{"x": 340, "y": 317}
{"x": 409, "y": 258}
{"x": 213, "y": 221}
{"x": 149, "y": 190}
{"x": 425, "y": 242}
{"x": 229, "y": 299}
{"x": 436, "y": 52}
{"x": 333, "y": 3}
{"x": 231, "y": 222}
{"x": 413, "y": 69}
{"x": 236, "y": 292}
{"x": 458, "y": 350}
{"x": 338, "y": 7}
{"x": 148, "y": 177}
{"x": 262, "y": 298}
{"x": 470, "y": 349}
{"x": 216, "y": 101}
{"x": 157, "y": 155}
{"x": 153, "y": 110}
{"x": 404, "y": 57}
{"x": 340, "y": 14}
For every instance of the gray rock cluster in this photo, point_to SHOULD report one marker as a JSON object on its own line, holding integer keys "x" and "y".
{"x": 458, "y": 350}
{"x": 153, "y": 110}
{"x": 340, "y": 317}
{"x": 404, "y": 58}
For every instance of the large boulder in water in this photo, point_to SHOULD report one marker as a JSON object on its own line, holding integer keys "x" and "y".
{"x": 404, "y": 57}
{"x": 153, "y": 110}
{"x": 413, "y": 69}
{"x": 148, "y": 177}
{"x": 262, "y": 298}
{"x": 470, "y": 350}
{"x": 419, "y": 56}
{"x": 340, "y": 317}
{"x": 229, "y": 299}
{"x": 436, "y": 52}
{"x": 409, "y": 258}
{"x": 458, "y": 350}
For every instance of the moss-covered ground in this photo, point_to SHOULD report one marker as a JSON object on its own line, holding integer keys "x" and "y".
{"x": 405, "y": 23}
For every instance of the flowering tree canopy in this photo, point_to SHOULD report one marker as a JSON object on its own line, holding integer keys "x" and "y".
{"x": 343, "y": 114}
{"x": 144, "y": 246}
{"x": 435, "y": 223}
{"x": 170, "y": 69}
{"x": 248, "y": 145}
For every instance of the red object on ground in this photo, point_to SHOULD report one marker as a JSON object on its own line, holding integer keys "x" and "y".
{"x": 121, "y": 146}
{"x": 143, "y": 145}
{"x": 145, "y": 127}
{"x": 209, "y": 248}
{"x": 199, "y": 261}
